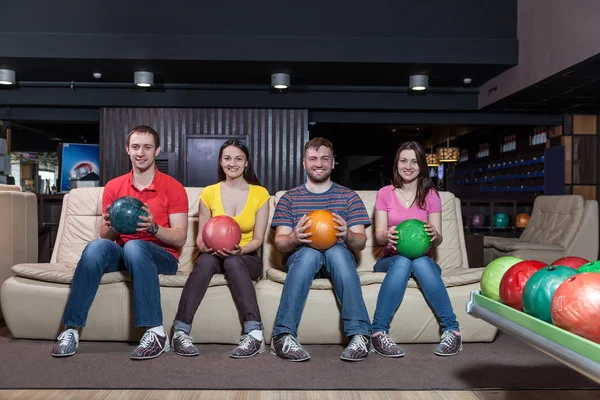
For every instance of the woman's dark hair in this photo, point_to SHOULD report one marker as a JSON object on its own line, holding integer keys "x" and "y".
{"x": 424, "y": 182}
{"x": 249, "y": 174}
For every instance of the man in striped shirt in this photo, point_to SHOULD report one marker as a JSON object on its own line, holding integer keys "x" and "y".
{"x": 304, "y": 263}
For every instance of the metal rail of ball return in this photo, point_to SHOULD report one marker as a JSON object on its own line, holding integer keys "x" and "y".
{"x": 572, "y": 359}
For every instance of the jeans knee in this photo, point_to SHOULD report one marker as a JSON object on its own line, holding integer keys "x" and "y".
{"x": 233, "y": 264}
{"x": 135, "y": 250}
{"x": 339, "y": 252}
{"x": 425, "y": 265}
{"x": 97, "y": 248}
{"x": 304, "y": 262}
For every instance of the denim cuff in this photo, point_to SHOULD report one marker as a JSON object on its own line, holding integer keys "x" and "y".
{"x": 182, "y": 326}
{"x": 252, "y": 326}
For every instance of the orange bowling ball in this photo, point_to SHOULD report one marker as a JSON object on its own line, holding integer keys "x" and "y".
{"x": 522, "y": 220}
{"x": 322, "y": 229}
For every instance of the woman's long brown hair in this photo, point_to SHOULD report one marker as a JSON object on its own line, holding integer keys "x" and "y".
{"x": 424, "y": 182}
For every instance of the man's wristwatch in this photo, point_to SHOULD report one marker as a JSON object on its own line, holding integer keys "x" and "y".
{"x": 153, "y": 230}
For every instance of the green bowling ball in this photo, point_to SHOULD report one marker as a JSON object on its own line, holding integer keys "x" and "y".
{"x": 413, "y": 241}
{"x": 124, "y": 214}
{"x": 593, "y": 266}
{"x": 539, "y": 289}
{"x": 493, "y": 273}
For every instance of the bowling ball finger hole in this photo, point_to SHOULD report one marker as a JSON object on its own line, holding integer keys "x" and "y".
{"x": 571, "y": 279}
{"x": 551, "y": 268}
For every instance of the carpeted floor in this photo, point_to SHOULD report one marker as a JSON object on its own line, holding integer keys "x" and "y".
{"x": 506, "y": 363}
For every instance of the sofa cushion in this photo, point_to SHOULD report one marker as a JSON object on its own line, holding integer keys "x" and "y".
{"x": 455, "y": 277}
{"x": 63, "y": 273}
{"x": 554, "y": 220}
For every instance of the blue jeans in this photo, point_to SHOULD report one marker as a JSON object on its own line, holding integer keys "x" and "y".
{"x": 428, "y": 275}
{"x": 143, "y": 260}
{"x": 340, "y": 267}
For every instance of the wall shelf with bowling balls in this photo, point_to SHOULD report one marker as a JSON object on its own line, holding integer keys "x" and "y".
{"x": 496, "y": 217}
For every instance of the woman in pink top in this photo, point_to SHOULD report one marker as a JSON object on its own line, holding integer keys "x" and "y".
{"x": 411, "y": 196}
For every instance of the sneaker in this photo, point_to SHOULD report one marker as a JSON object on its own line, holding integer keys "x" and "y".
{"x": 66, "y": 344}
{"x": 288, "y": 348}
{"x": 450, "y": 344}
{"x": 182, "y": 344}
{"x": 151, "y": 346}
{"x": 358, "y": 349}
{"x": 249, "y": 346}
{"x": 385, "y": 346}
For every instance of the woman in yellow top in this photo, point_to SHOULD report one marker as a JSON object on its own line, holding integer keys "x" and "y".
{"x": 239, "y": 195}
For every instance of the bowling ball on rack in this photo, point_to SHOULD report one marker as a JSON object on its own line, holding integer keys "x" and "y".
{"x": 124, "y": 214}
{"x": 522, "y": 220}
{"x": 221, "y": 232}
{"x": 477, "y": 220}
{"x": 576, "y": 306}
{"x": 501, "y": 220}
{"x": 493, "y": 273}
{"x": 539, "y": 289}
{"x": 323, "y": 229}
{"x": 514, "y": 280}
{"x": 413, "y": 240}
{"x": 571, "y": 262}
{"x": 590, "y": 267}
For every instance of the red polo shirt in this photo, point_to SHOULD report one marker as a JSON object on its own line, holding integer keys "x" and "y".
{"x": 164, "y": 196}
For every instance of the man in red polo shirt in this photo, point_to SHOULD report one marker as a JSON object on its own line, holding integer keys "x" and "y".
{"x": 152, "y": 250}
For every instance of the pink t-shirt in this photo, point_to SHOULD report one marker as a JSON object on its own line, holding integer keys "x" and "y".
{"x": 388, "y": 201}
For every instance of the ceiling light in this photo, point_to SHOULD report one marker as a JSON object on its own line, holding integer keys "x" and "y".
{"x": 432, "y": 159}
{"x": 418, "y": 82}
{"x": 143, "y": 78}
{"x": 7, "y": 77}
{"x": 280, "y": 81}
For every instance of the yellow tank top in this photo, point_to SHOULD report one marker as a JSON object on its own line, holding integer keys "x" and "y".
{"x": 257, "y": 197}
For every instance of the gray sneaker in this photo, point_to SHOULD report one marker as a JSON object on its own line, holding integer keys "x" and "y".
{"x": 450, "y": 344}
{"x": 182, "y": 344}
{"x": 385, "y": 346}
{"x": 66, "y": 344}
{"x": 151, "y": 346}
{"x": 249, "y": 346}
{"x": 288, "y": 348}
{"x": 358, "y": 349}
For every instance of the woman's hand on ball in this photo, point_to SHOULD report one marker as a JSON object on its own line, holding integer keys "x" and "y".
{"x": 226, "y": 252}
{"x": 431, "y": 231}
{"x": 392, "y": 235}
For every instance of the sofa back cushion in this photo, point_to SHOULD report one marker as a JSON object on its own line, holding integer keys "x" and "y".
{"x": 554, "y": 220}
{"x": 81, "y": 219}
{"x": 451, "y": 254}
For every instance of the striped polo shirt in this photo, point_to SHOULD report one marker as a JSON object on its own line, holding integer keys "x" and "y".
{"x": 338, "y": 199}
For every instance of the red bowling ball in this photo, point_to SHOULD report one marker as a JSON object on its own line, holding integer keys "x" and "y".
{"x": 514, "y": 280}
{"x": 576, "y": 306}
{"x": 221, "y": 232}
{"x": 571, "y": 262}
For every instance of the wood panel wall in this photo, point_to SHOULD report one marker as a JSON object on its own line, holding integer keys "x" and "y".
{"x": 275, "y": 137}
{"x": 580, "y": 137}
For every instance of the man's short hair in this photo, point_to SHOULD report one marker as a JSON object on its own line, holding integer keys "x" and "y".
{"x": 145, "y": 130}
{"x": 317, "y": 142}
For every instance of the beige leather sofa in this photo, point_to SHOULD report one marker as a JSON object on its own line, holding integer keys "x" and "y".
{"x": 34, "y": 298}
{"x": 19, "y": 236}
{"x": 559, "y": 226}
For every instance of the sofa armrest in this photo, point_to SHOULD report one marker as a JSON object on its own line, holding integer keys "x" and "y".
{"x": 512, "y": 244}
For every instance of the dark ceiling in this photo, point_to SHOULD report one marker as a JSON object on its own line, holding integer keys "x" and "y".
{"x": 573, "y": 90}
{"x": 249, "y": 73}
